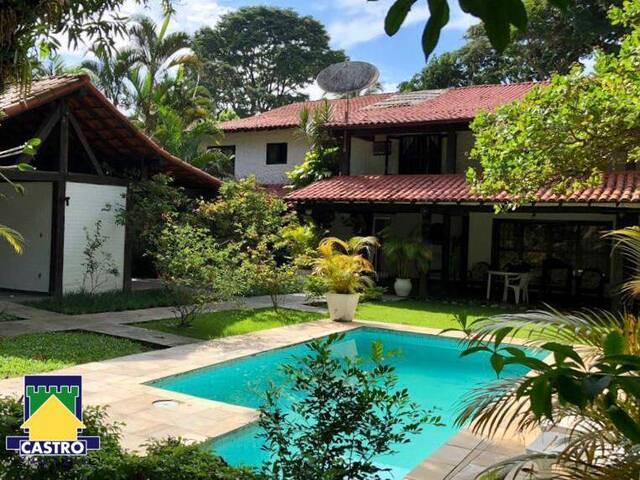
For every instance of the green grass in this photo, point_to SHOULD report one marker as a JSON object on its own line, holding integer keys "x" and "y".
{"x": 432, "y": 314}
{"x": 116, "y": 301}
{"x": 43, "y": 352}
{"x": 8, "y": 317}
{"x": 233, "y": 322}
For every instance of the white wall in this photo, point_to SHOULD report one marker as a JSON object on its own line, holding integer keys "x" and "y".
{"x": 251, "y": 154}
{"x": 29, "y": 214}
{"x": 87, "y": 205}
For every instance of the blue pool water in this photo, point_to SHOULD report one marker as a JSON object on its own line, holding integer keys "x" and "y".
{"x": 429, "y": 367}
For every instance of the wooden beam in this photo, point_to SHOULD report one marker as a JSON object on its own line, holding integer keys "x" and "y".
{"x": 345, "y": 164}
{"x": 43, "y": 131}
{"x": 57, "y": 238}
{"x": 85, "y": 144}
{"x": 387, "y": 148}
{"x": 63, "y": 159}
{"x": 128, "y": 247}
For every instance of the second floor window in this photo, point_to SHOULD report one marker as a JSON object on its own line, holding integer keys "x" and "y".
{"x": 276, "y": 153}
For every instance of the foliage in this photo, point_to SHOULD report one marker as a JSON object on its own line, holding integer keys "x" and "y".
{"x": 78, "y": 303}
{"x": 186, "y": 140}
{"x": 258, "y": 58}
{"x": 30, "y": 147}
{"x": 322, "y": 156}
{"x": 190, "y": 261}
{"x": 169, "y": 458}
{"x": 108, "y": 72}
{"x": 563, "y": 136}
{"x": 552, "y": 43}
{"x": 405, "y": 253}
{"x": 26, "y": 26}
{"x": 344, "y": 414}
{"x": 303, "y": 240}
{"x": 315, "y": 287}
{"x": 269, "y": 276}
{"x": 592, "y": 382}
{"x": 98, "y": 263}
{"x": 154, "y": 52}
{"x": 373, "y": 293}
{"x": 151, "y": 203}
{"x": 43, "y": 352}
{"x": 234, "y": 322}
{"x": 342, "y": 264}
{"x": 497, "y": 19}
{"x": 247, "y": 215}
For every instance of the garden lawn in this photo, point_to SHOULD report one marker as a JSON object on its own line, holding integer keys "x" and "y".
{"x": 233, "y": 322}
{"x": 116, "y": 301}
{"x": 431, "y": 314}
{"x": 43, "y": 352}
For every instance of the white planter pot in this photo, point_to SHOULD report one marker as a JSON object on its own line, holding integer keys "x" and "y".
{"x": 342, "y": 306}
{"x": 402, "y": 287}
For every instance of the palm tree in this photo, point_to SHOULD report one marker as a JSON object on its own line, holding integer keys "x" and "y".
{"x": 593, "y": 384}
{"x": 54, "y": 65}
{"x": 155, "y": 53}
{"x": 109, "y": 74}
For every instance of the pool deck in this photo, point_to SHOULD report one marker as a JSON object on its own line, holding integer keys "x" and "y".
{"x": 120, "y": 384}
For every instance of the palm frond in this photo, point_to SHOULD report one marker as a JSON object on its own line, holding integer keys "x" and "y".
{"x": 13, "y": 238}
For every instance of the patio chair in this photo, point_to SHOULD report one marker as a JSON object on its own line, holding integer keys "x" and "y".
{"x": 520, "y": 286}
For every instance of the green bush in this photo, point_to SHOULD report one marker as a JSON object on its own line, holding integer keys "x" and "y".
{"x": 169, "y": 459}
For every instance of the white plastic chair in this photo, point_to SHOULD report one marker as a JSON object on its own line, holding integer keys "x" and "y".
{"x": 520, "y": 285}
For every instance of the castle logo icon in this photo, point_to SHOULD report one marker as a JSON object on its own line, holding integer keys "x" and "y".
{"x": 52, "y": 418}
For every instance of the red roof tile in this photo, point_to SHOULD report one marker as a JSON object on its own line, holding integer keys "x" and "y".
{"x": 14, "y": 102}
{"x": 617, "y": 187}
{"x": 451, "y": 105}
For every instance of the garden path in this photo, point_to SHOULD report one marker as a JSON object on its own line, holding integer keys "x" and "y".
{"x": 117, "y": 323}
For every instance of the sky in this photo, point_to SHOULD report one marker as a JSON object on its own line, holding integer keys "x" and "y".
{"x": 353, "y": 25}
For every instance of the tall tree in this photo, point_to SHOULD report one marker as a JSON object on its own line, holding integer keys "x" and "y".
{"x": 565, "y": 135}
{"x": 109, "y": 74}
{"x": 553, "y": 42}
{"x": 154, "y": 52}
{"x": 24, "y": 24}
{"x": 258, "y": 58}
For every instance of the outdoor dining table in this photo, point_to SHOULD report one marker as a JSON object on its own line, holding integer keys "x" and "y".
{"x": 499, "y": 273}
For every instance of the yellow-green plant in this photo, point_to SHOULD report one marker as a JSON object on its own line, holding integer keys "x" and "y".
{"x": 404, "y": 253}
{"x": 343, "y": 265}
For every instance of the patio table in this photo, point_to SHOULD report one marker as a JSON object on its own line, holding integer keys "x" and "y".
{"x": 499, "y": 273}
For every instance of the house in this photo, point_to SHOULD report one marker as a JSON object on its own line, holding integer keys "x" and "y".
{"x": 89, "y": 153}
{"x": 407, "y": 154}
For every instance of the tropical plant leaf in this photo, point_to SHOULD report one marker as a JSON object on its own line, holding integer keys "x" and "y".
{"x": 397, "y": 15}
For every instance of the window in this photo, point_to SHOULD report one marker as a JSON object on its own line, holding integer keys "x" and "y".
{"x": 276, "y": 153}
{"x": 228, "y": 150}
{"x": 420, "y": 154}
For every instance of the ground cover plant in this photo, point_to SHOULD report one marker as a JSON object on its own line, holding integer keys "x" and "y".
{"x": 233, "y": 322}
{"x": 116, "y": 301}
{"x": 44, "y": 352}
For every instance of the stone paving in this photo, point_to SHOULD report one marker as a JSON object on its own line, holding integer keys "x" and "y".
{"x": 120, "y": 383}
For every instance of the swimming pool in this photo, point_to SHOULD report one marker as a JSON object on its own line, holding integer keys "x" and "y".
{"x": 429, "y": 367}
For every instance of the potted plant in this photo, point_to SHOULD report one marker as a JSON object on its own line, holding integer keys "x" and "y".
{"x": 346, "y": 272}
{"x": 403, "y": 254}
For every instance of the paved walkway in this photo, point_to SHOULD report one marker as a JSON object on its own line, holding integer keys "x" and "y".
{"x": 116, "y": 323}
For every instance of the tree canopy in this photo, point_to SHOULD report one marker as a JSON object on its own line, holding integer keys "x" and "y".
{"x": 566, "y": 134}
{"x": 553, "y": 42}
{"x": 258, "y": 58}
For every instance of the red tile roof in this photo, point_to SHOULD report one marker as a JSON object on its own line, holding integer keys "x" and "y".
{"x": 98, "y": 115}
{"x": 451, "y": 105}
{"x": 617, "y": 187}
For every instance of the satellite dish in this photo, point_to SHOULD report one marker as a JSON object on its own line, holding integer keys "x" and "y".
{"x": 347, "y": 77}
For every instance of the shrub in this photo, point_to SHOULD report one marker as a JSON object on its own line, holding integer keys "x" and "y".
{"x": 343, "y": 416}
{"x": 165, "y": 459}
{"x": 98, "y": 263}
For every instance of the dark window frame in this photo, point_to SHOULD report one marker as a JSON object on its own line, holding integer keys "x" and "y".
{"x": 281, "y": 154}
